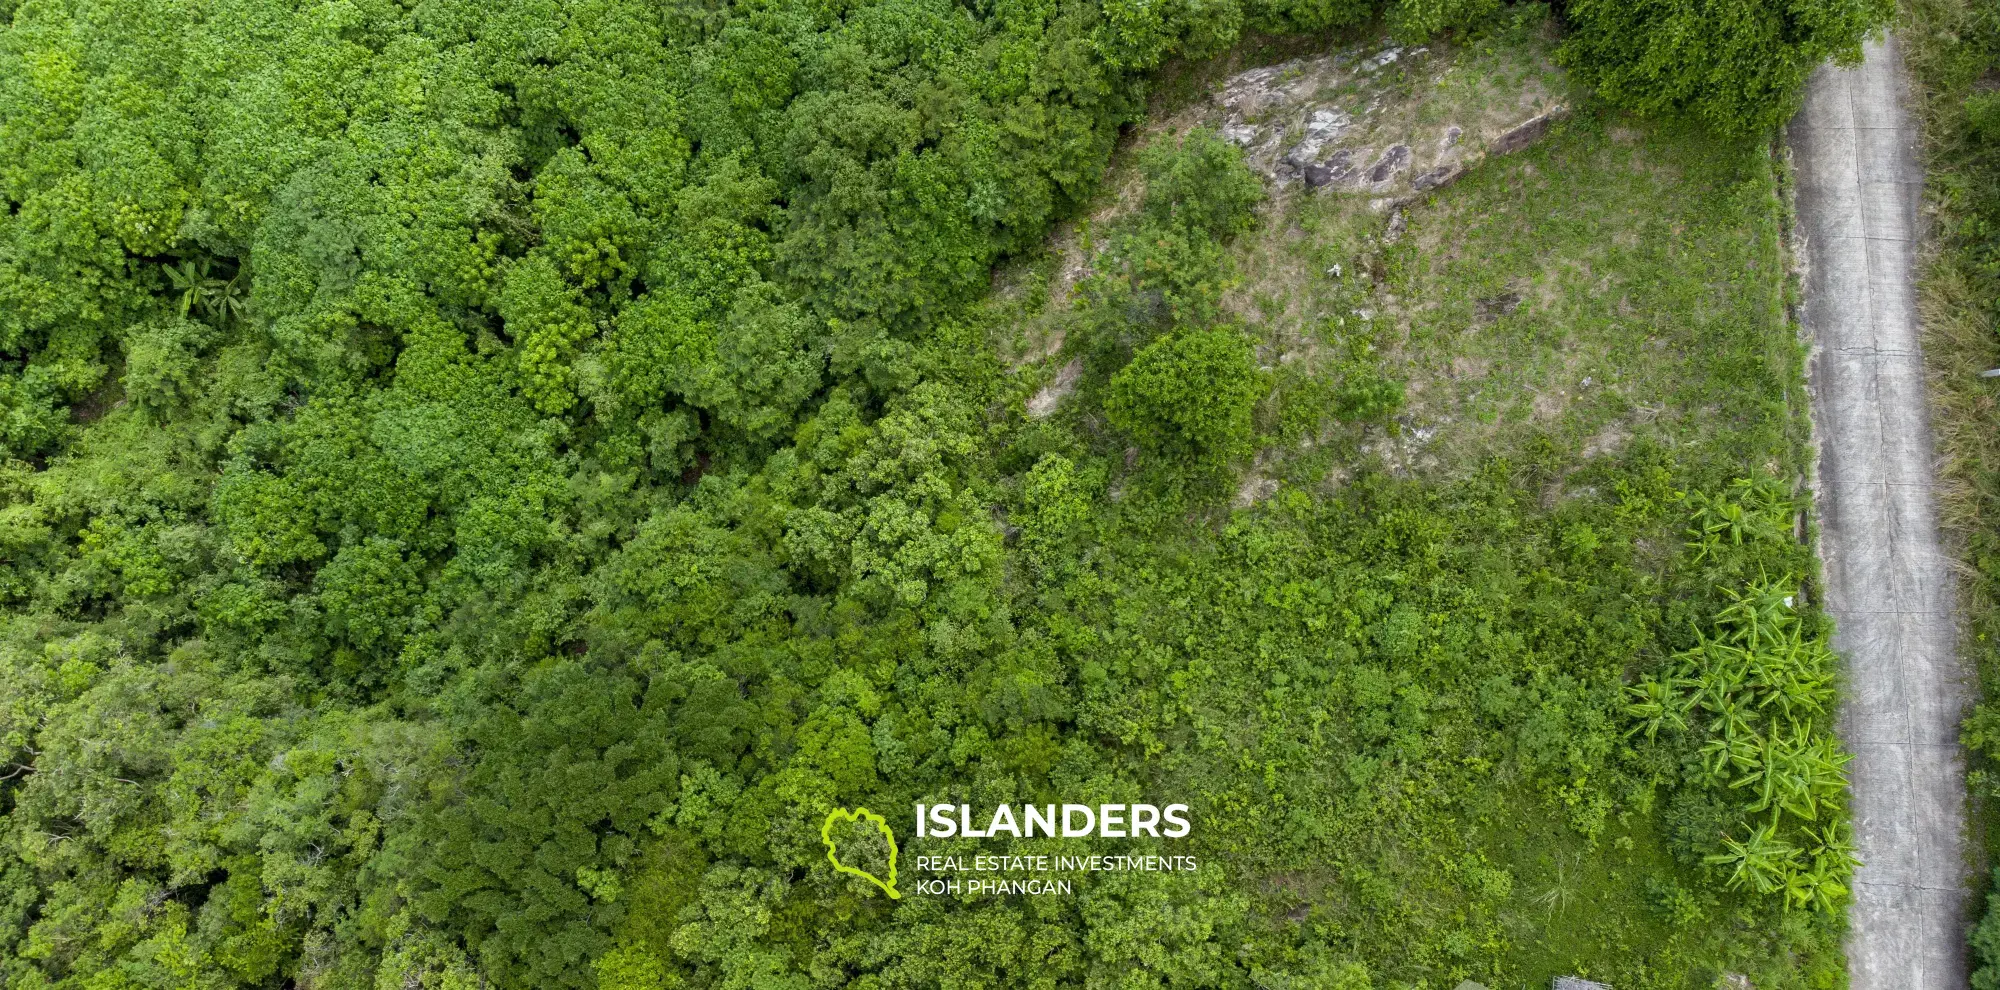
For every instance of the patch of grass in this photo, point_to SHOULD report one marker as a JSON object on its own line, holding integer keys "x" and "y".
{"x": 1610, "y": 283}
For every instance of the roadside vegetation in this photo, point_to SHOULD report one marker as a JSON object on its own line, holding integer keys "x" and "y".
{"x": 485, "y": 480}
{"x": 1953, "y": 49}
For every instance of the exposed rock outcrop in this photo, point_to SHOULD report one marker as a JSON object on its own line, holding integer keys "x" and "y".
{"x": 1328, "y": 123}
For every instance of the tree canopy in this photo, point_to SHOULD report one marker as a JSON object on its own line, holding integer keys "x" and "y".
{"x": 483, "y": 478}
{"x": 1739, "y": 66}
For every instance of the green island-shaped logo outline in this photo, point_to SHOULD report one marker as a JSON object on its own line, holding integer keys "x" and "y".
{"x": 858, "y": 816}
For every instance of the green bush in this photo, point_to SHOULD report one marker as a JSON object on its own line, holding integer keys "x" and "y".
{"x": 1417, "y": 21}
{"x": 1189, "y": 396}
{"x": 1982, "y": 116}
{"x": 1739, "y": 66}
{"x": 162, "y": 364}
{"x": 1986, "y": 947}
{"x": 1952, "y": 48}
{"x": 1199, "y": 184}
{"x": 1749, "y": 711}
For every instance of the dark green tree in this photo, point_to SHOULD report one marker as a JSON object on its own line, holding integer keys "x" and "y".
{"x": 1739, "y": 66}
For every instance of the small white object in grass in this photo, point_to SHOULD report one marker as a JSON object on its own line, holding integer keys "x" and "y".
{"x": 1334, "y": 271}
{"x": 1788, "y": 601}
{"x": 1990, "y": 373}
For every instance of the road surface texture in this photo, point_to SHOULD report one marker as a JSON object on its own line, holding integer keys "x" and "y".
{"x": 1888, "y": 588}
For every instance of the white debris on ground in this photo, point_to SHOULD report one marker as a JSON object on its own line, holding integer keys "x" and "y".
{"x": 1404, "y": 449}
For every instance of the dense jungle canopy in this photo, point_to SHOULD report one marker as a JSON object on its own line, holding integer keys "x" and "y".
{"x": 484, "y": 477}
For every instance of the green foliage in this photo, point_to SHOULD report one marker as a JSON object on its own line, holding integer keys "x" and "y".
{"x": 763, "y": 369}
{"x": 1188, "y": 396}
{"x": 1165, "y": 265}
{"x": 1982, "y": 117}
{"x": 1754, "y": 509}
{"x": 1199, "y": 185}
{"x": 368, "y": 591}
{"x": 1416, "y": 21}
{"x": 548, "y": 320}
{"x": 1366, "y": 395}
{"x": 556, "y": 789}
{"x": 201, "y": 291}
{"x": 163, "y": 363}
{"x": 1738, "y": 66}
{"x": 1137, "y": 34}
{"x": 1752, "y": 708}
{"x": 1057, "y": 502}
{"x": 483, "y": 480}
{"x": 1285, "y": 16}
{"x": 1986, "y": 950}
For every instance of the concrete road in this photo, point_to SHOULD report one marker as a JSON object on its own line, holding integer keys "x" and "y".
{"x": 1887, "y": 584}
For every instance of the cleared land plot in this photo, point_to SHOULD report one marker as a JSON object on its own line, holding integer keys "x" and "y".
{"x": 1611, "y": 282}
{"x": 1392, "y": 675}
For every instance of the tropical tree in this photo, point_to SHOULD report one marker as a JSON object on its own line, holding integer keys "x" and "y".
{"x": 1739, "y": 66}
{"x": 1189, "y": 396}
